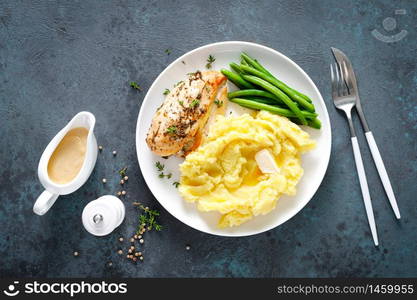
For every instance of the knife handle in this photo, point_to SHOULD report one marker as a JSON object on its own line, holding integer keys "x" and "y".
{"x": 364, "y": 187}
{"x": 382, "y": 173}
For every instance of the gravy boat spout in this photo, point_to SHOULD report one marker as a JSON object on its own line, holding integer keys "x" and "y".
{"x": 53, "y": 189}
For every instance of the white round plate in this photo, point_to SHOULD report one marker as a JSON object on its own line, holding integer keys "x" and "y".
{"x": 314, "y": 163}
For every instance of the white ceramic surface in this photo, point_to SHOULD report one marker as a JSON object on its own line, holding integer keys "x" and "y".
{"x": 53, "y": 190}
{"x": 314, "y": 163}
{"x": 112, "y": 212}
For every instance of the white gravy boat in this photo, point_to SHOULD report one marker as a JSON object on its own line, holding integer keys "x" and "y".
{"x": 53, "y": 190}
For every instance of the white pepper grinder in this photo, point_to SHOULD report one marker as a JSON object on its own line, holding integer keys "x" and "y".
{"x": 103, "y": 215}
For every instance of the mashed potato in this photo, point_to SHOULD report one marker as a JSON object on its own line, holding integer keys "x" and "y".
{"x": 222, "y": 174}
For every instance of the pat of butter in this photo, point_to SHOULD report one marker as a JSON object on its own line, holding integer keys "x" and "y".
{"x": 266, "y": 162}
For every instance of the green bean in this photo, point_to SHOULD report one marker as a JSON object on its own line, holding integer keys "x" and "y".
{"x": 305, "y": 97}
{"x": 262, "y": 100}
{"x": 237, "y": 79}
{"x": 255, "y": 64}
{"x": 314, "y": 123}
{"x": 307, "y": 105}
{"x": 243, "y": 62}
{"x": 257, "y": 93}
{"x": 236, "y": 68}
{"x": 271, "y": 108}
{"x": 277, "y": 92}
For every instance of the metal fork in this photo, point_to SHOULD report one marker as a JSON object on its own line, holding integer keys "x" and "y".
{"x": 345, "y": 100}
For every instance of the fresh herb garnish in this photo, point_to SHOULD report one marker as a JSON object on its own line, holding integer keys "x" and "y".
{"x": 122, "y": 172}
{"x": 159, "y": 166}
{"x": 168, "y": 51}
{"x": 166, "y": 92}
{"x": 148, "y": 219}
{"x": 218, "y": 102}
{"x": 172, "y": 129}
{"x": 178, "y": 83}
{"x": 135, "y": 86}
{"x": 210, "y": 60}
{"x": 176, "y": 184}
{"x": 162, "y": 175}
{"x": 195, "y": 103}
{"x": 181, "y": 102}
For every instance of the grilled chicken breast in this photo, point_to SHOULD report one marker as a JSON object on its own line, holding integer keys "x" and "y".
{"x": 178, "y": 125}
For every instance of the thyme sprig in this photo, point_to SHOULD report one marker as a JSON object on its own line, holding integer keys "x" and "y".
{"x": 160, "y": 167}
{"x": 135, "y": 86}
{"x": 218, "y": 102}
{"x": 210, "y": 61}
{"x": 122, "y": 172}
{"x": 148, "y": 219}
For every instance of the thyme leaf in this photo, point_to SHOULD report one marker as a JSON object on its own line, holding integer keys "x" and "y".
{"x": 195, "y": 103}
{"x": 135, "y": 86}
{"x": 172, "y": 129}
{"x": 218, "y": 102}
{"x": 210, "y": 61}
{"x": 159, "y": 166}
{"x": 122, "y": 172}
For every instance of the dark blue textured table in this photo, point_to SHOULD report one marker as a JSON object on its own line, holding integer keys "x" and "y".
{"x": 58, "y": 58}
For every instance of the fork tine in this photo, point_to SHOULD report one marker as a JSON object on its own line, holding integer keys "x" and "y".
{"x": 334, "y": 82}
{"x": 348, "y": 80}
{"x": 341, "y": 82}
{"x": 339, "y": 79}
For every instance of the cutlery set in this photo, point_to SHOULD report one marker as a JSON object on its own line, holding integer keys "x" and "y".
{"x": 345, "y": 97}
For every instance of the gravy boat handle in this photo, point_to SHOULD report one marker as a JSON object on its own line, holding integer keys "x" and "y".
{"x": 44, "y": 202}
